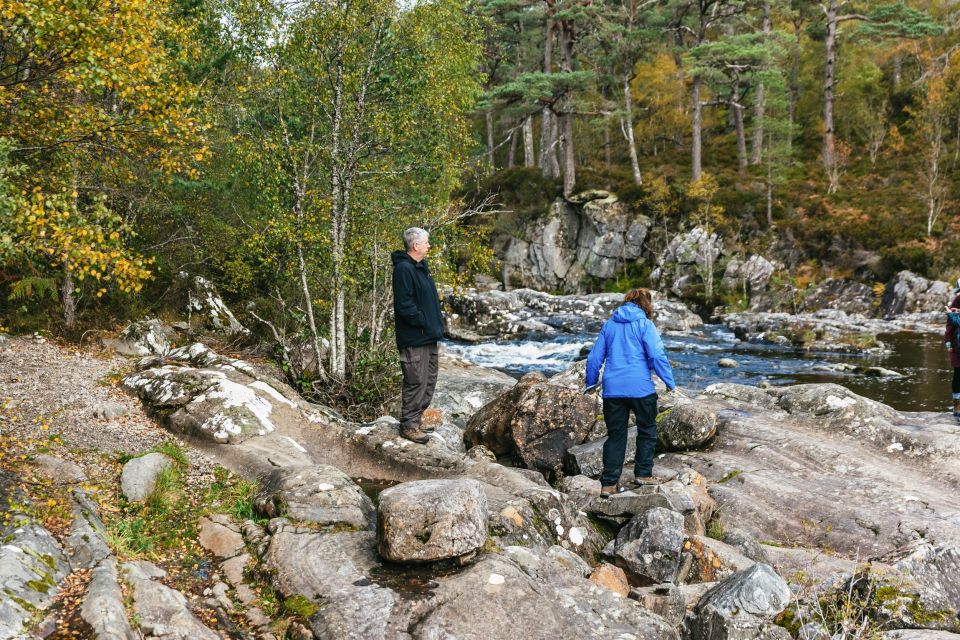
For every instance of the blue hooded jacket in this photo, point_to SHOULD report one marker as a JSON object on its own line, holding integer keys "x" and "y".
{"x": 632, "y": 350}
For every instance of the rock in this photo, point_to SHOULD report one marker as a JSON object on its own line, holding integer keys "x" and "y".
{"x": 32, "y": 565}
{"x": 827, "y": 330}
{"x": 750, "y": 276}
{"x": 463, "y": 388}
{"x": 713, "y": 560}
{"x": 579, "y": 237}
{"x": 163, "y": 612}
{"x": 587, "y": 459}
{"x": 429, "y": 520}
{"x": 846, "y": 295}
{"x": 143, "y": 338}
{"x": 580, "y": 489}
{"x": 649, "y": 546}
{"x": 58, "y": 470}
{"x": 627, "y": 503}
{"x": 315, "y": 493}
{"x": 910, "y": 293}
{"x": 333, "y": 569}
{"x": 688, "y": 425}
{"x": 918, "y": 634}
{"x": 742, "y": 394}
{"x": 535, "y": 421}
{"x": 565, "y": 606}
{"x": 923, "y": 591}
{"x": 666, "y": 600}
{"x": 139, "y": 475}
{"x": 103, "y": 607}
{"x": 108, "y": 410}
{"x": 685, "y": 261}
{"x": 742, "y": 606}
{"x": 611, "y": 577}
{"x": 234, "y": 567}
{"x": 220, "y": 536}
{"x": 204, "y": 300}
{"x": 746, "y": 544}
{"x": 86, "y": 545}
{"x": 727, "y": 363}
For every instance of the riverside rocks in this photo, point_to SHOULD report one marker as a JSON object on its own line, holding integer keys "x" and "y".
{"x": 923, "y": 589}
{"x": 742, "y": 606}
{"x": 321, "y": 494}
{"x": 162, "y": 612}
{"x": 686, "y": 261}
{"x": 688, "y": 425}
{"x": 143, "y": 338}
{"x": 103, "y": 607}
{"x": 430, "y": 520}
{"x": 750, "y": 275}
{"x": 909, "y": 293}
{"x": 649, "y": 546}
{"x": 479, "y": 315}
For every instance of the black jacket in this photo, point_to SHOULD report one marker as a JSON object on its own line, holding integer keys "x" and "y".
{"x": 416, "y": 305}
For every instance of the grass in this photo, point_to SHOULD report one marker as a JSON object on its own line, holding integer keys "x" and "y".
{"x": 730, "y": 475}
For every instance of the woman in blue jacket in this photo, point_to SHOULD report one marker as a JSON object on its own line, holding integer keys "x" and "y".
{"x": 630, "y": 350}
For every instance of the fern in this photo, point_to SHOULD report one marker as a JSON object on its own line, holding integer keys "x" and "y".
{"x": 28, "y": 288}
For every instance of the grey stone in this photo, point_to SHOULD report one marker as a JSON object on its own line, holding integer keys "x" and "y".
{"x": 666, "y": 600}
{"x": 204, "y": 300}
{"x": 688, "y": 425}
{"x": 751, "y": 275}
{"x": 650, "y": 545}
{"x": 627, "y": 503}
{"x": 108, "y": 410}
{"x": 686, "y": 260}
{"x": 102, "y": 606}
{"x": 316, "y": 493}
{"x": 910, "y": 293}
{"x": 142, "y": 338}
{"x": 727, "y": 363}
{"x": 587, "y": 459}
{"x": 747, "y": 544}
{"x": 58, "y": 470}
{"x": 917, "y": 634}
{"x": 86, "y": 545}
{"x": 713, "y": 560}
{"x": 429, "y": 520}
{"x": 742, "y": 606}
{"x": 847, "y": 295}
{"x": 139, "y": 475}
{"x": 926, "y": 579}
{"x": 162, "y": 612}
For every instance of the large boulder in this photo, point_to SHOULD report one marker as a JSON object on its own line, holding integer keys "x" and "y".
{"x": 204, "y": 303}
{"x": 103, "y": 607}
{"x": 429, "y": 520}
{"x": 143, "y": 338}
{"x": 742, "y": 607}
{"x": 588, "y": 235}
{"x": 910, "y": 293}
{"x": 688, "y": 425}
{"x": 535, "y": 422}
{"x": 463, "y": 388}
{"x": 921, "y": 590}
{"x": 320, "y": 494}
{"x": 686, "y": 261}
{"x": 750, "y": 275}
{"x": 650, "y": 545}
{"x": 139, "y": 475}
{"x": 846, "y": 295}
{"x": 162, "y": 612}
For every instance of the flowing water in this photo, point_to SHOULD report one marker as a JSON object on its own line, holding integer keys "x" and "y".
{"x": 921, "y": 357}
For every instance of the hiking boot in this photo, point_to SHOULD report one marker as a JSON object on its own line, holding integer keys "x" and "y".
{"x": 956, "y": 408}
{"x": 415, "y": 434}
{"x": 606, "y": 492}
{"x": 645, "y": 481}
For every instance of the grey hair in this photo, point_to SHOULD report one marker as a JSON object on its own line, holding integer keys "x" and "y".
{"x": 412, "y": 236}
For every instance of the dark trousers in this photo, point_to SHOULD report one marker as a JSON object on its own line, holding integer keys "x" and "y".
{"x": 955, "y": 386}
{"x": 616, "y": 413}
{"x": 419, "y": 366}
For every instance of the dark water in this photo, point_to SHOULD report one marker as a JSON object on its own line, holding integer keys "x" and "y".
{"x": 921, "y": 357}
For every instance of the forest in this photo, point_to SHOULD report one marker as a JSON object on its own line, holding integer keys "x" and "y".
{"x": 279, "y": 147}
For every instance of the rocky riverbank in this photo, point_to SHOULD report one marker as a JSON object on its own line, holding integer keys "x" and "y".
{"x": 288, "y": 521}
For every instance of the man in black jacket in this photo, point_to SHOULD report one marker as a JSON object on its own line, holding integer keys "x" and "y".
{"x": 419, "y": 325}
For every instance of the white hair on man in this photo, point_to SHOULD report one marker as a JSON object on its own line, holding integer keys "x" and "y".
{"x": 412, "y": 236}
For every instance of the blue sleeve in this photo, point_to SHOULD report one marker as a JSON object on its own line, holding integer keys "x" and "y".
{"x": 597, "y": 355}
{"x": 657, "y": 356}
{"x": 404, "y": 304}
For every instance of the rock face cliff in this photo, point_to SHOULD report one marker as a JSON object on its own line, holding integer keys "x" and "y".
{"x": 588, "y": 236}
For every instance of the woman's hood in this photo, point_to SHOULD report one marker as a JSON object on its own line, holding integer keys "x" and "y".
{"x": 629, "y": 313}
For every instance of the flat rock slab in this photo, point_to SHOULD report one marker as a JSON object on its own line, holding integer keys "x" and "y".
{"x": 58, "y": 470}
{"x": 220, "y": 536}
{"x": 162, "y": 612}
{"x": 103, "y": 607}
{"x": 86, "y": 545}
{"x": 139, "y": 475}
{"x": 429, "y": 520}
{"x": 321, "y": 494}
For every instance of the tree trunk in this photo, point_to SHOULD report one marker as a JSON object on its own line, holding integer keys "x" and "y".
{"x": 548, "y": 153}
{"x": 67, "y": 300}
{"x": 606, "y": 144}
{"x": 308, "y": 303}
{"x": 490, "y": 144}
{"x": 697, "y": 141}
{"x": 529, "y": 159}
{"x": 897, "y": 71}
{"x": 829, "y": 84}
{"x": 760, "y": 102}
{"x": 512, "y": 156}
{"x": 793, "y": 83}
{"x": 628, "y": 130}
{"x": 568, "y": 147}
{"x": 736, "y": 111}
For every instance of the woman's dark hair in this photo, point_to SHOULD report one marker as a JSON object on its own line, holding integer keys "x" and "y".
{"x": 641, "y": 298}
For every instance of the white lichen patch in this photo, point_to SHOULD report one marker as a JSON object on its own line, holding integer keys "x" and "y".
{"x": 836, "y": 404}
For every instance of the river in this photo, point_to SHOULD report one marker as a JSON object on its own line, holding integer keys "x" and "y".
{"x": 925, "y": 385}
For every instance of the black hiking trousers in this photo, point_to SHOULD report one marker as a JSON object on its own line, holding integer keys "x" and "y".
{"x": 616, "y": 413}
{"x": 419, "y": 366}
